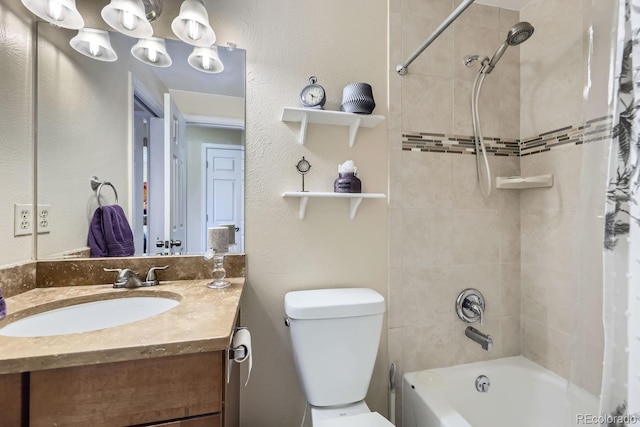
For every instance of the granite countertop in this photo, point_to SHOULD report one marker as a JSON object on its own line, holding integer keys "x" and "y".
{"x": 203, "y": 321}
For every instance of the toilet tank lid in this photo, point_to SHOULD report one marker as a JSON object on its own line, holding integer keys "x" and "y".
{"x": 333, "y": 303}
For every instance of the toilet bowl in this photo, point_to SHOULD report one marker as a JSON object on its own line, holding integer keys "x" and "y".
{"x": 335, "y": 335}
{"x": 355, "y": 415}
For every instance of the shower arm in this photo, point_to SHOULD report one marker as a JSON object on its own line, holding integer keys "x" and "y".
{"x": 404, "y": 67}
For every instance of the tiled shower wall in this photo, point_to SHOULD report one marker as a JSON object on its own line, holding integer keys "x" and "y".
{"x": 535, "y": 254}
{"x": 562, "y": 236}
{"x": 444, "y": 236}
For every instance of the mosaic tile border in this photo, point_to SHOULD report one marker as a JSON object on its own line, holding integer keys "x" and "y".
{"x": 598, "y": 129}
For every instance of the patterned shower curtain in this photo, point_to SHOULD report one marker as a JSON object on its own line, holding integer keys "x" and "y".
{"x": 620, "y": 397}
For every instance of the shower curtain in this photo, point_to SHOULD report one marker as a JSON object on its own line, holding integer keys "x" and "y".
{"x": 620, "y": 394}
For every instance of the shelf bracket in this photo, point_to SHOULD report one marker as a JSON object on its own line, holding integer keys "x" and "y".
{"x": 353, "y": 131}
{"x": 303, "y": 207}
{"x": 303, "y": 128}
{"x": 353, "y": 206}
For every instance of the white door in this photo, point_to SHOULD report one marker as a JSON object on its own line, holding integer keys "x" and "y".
{"x": 137, "y": 220}
{"x": 175, "y": 173}
{"x": 155, "y": 186}
{"x": 224, "y": 190}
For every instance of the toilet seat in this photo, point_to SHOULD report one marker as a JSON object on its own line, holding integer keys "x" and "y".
{"x": 370, "y": 419}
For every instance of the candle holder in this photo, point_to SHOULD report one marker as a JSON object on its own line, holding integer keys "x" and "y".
{"x": 218, "y": 273}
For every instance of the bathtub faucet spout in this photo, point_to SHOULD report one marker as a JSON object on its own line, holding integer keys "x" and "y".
{"x": 475, "y": 335}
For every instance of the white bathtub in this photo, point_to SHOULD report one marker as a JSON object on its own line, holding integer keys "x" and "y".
{"x": 521, "y": 394}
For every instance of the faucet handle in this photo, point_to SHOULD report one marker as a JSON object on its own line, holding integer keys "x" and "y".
{"x": 470, "y": 306}
{"x": 151, "y": 275}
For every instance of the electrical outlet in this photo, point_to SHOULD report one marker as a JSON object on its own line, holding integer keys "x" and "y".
{"x": 44, "y": 219}
{"x": 22, "y": 220}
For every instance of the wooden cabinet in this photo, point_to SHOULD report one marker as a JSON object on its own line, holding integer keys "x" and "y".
{"x": 182, "y": 389}
{"x": 206, "y": 421}
{"x": 11, "y": 400}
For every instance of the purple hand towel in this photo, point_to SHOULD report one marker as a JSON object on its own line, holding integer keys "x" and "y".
{"x": 110, "y": 234}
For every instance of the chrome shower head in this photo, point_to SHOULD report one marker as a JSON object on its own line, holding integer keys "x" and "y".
{"x": 519, "y": 33}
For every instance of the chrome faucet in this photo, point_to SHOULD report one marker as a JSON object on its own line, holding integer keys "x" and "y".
{"x": 476, "y": 308}
{"x": 126, "y": 278}
{"x": 129, "y": 279}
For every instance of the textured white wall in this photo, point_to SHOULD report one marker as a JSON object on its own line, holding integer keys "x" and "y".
{"x": 16, "y": 161}
{"x": 286, "y": 42}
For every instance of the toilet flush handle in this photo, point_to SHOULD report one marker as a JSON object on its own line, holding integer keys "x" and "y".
{"x": 287, "y": 321}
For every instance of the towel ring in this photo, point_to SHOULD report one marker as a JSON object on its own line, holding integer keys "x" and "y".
{"x": 97, "y": 185}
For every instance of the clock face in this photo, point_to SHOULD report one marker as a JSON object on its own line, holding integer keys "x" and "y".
{"x": 312, "y": 96}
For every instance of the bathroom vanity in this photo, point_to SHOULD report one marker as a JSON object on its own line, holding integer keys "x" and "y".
{"x": 165, "y": 370}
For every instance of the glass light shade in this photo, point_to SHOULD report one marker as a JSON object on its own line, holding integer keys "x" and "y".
{"x": 152, "y": 51}
{"x": 206, "y": 59}
{"x": 192, "y": 24}
{"x": 127, "y": 17}
{"x": 95, "y": 44}
{"x": 61, "y": 13}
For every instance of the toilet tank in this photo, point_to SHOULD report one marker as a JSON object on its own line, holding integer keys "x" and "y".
{"x": 335, "y": 335}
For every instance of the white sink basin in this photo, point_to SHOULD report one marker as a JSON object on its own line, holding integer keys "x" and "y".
{"x": 89, "y": 316}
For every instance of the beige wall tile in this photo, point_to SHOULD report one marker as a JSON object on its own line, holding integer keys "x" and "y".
{"x": 427, "y": 104}
{"x": 549, "y": 239}
{"x": 509, "y": 223}
{"x": 438, "y": 10}
{"x": 395, "y": 306}
{"x": 546, "y": 347}
{"x": 511, "y": 336}
{"x": 479, "y": 15}
{"x": 396, "y": 241}
{"x": 470, "y": 40}
{"x": 476, "y": 236}
{"x": 565, "y": 163}
{"x": 437, "y": 59}
{"x": 395, "y": 101}
{"x": 395, "y": 179}
{"x": 508, "y": 18}
{"x": 428, "y": 295}
{"x": 509, "y": 199}
{"x": 426, "y": 236}
{"x": 427, "y": 180}
{"x": 489, "y": 107}
{"x": 549, "y": 297}
{"x": 510, "y": 289}
{"x": 466, "y": 188}
{"x": 432, "y": 346}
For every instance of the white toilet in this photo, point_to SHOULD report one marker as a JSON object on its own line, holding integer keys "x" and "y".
{"x": 335, "y": 335}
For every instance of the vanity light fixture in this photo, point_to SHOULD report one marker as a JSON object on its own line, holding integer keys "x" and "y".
{"x": 61, "y": 13}
{"x": 206, "y": 59}
{"x": 152, "y": 51}
{"x": 192, "y": 24}
{"x": 127, "y": 17}
{"x": 95, "y": 44}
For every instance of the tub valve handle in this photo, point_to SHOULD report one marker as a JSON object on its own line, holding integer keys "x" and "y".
{"x": 470, "y": 306}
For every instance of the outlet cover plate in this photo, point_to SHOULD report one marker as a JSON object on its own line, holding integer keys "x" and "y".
{"x": 22, "y": 219}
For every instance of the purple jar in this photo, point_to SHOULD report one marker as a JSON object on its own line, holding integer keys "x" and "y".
{"x": 347, "y": 182}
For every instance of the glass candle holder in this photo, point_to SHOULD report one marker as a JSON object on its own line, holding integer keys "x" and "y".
{"x": 218, "y": 273}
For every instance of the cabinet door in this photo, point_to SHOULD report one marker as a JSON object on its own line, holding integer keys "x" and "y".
{"x": 206, "y": 421}
{"x": 128, "y": 393}
{"x": 11, "y": 400}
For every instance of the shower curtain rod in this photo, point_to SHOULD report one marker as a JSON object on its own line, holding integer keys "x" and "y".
{"x": 404, "y": 67}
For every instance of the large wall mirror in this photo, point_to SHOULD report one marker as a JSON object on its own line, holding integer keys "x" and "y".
{"x": 170, "y": 141}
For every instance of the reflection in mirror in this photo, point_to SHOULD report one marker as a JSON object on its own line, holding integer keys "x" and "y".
{"x": 169, "y": 140}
